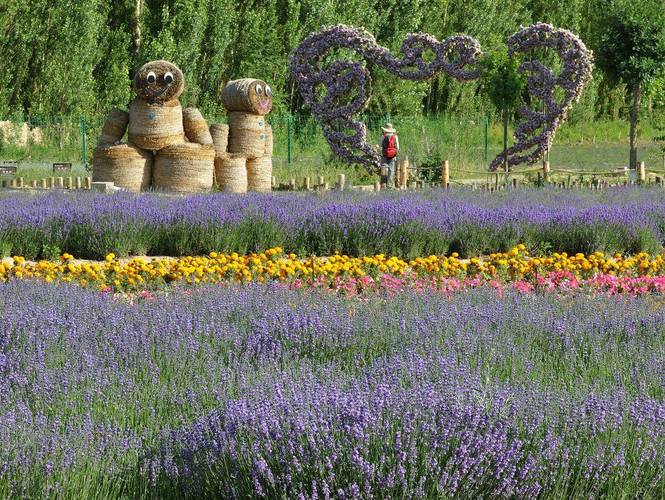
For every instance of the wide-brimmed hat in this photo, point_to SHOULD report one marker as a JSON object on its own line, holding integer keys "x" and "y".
{"x": 389, "y": 129}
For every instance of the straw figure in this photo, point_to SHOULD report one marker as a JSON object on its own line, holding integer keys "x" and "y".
{"x": 167, "y": 148}
{"x": 243, "y": 148}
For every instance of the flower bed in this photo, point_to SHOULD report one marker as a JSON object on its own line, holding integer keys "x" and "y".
{"x": 405, "y": 224}
{"x": 242, "y": 391}
{"x": 640, "y": 273}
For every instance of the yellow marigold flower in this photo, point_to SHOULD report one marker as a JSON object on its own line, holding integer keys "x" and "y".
{"x": 110, "y": 257}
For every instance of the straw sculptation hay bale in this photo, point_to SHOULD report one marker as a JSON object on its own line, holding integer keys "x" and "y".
{"x": 220, "y": 137}
{"x": 244, "y": 146}
{"x": 154, "y": 127}
{"x": 248, "y": 95}
{"x": 155, "y": 116}
{"x": 114, "y": 127}
{"x": 196, "y": 127}
{"x": 247, "y": 134}
{"x": 269, "y": 142}
{"x": 231, "y": 173}
{"x": 184, "y": 167}
{"x": 125, "y": 165}
{"x": 259, "y": 174}
{"x": 158, "y": 126}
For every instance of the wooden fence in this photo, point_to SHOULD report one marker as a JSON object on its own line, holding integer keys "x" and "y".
{"x": 49, "y": 183}
{"x": 407, "y": 177}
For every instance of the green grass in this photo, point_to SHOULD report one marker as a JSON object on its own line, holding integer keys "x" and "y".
{"x": 594, "y": 146}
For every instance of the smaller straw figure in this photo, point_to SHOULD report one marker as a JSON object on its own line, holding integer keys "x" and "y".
{"x": 243, "y": 158}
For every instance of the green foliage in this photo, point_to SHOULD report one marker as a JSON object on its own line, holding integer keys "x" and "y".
{"x": 500, "y": 80}
{"x": 77, "y": 56}
{"x": 629, "y": 44}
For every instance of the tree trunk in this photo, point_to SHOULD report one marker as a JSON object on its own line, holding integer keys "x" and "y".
{"x": 136, "y": 29}
{"x": 634, "y": 116}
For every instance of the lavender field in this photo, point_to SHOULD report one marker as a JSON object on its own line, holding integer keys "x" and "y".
{"x": 248, "y": 391}
{"x": 406, "y": 224}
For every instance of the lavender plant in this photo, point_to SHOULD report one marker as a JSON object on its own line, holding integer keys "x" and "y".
{"x": 259, "y": 391}
{"x": 626, "y": 220}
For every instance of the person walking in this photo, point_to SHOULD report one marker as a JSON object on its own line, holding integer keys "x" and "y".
{"x": 389, "y": 151}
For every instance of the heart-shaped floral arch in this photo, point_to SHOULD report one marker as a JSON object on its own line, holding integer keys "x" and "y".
{"x": 337, "y": 90}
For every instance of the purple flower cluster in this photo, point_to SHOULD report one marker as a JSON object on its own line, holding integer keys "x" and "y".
{"x": 91, "y": 225}
{"x": 535, "y": 133}
{"x": 253, "y": 391}
{"x": 336, "y": 91}
{"x": 327, "y": 86}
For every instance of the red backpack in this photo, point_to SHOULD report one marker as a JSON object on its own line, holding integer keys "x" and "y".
{"x": 391, "y": 150}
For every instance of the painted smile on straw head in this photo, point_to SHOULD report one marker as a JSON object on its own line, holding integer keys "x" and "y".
{"x": 263, "y": 93}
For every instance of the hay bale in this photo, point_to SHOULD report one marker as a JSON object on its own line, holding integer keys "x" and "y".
{"x": 196, "y": 128}
{"x": 155, "y": 126}
{"x": 125, "y": 165}
{"x": 247, "y": 134}
{"x": 14, "y": 133}
{"x": 259, "y": 174}
{"x": 248, "y": 95}
{"x": 231, "y": 173}
{"x": 220, "y": 137}
{"x": 150, "y": 82}
{"x": 185, "y": 168}
{"x": 269, "y": 141}
{"x": 114, "y": 127}
{"x": 36, "y": 136}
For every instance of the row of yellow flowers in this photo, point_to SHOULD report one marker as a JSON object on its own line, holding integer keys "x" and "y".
{"x": 274, "y": 264}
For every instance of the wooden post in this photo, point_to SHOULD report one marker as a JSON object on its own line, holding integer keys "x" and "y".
{"x": 306, "y": 184}
{"x": 20, "y": 182}
{"x": 642, "y": 173}
{"x": 341, "y": 181}
{"x": 88, "y": 183}
{"x": 405, "y": 173}
{"x": 70, "y": 183}
{"x": 546, "y": 171}
{"x": 43, "y": 183}
{"x": 292, "y": 184}
{"x": 60, "y": 183}
{"x": 322, "y": 182}
{"x": 273, "y": 182}
{"x": 496, "y": 181}
{"x": 51, "y": 182}
{"x": 514, "y": 183}
{"x": 12, "y": 183}
{"x": 445, "y": 174}
{"x": 377, "y": 186}
{"x": 33, "y": 184}
{"x": 326, "y": 187}
{"x": 78, "y": 183}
